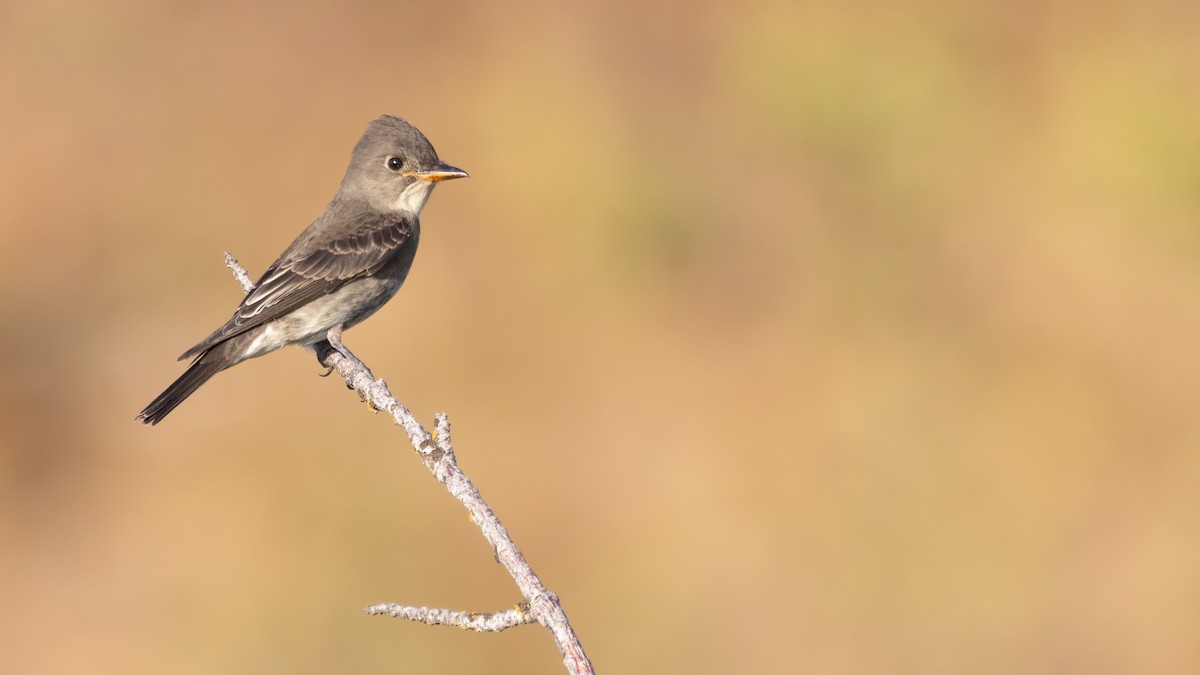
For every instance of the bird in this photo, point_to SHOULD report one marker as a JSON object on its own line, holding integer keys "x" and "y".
{"x": 342, "y": 268}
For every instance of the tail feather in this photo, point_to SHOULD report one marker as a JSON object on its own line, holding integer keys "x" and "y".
{"x": 198, "y": 373}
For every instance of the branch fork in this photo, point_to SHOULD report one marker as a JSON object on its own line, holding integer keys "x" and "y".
{"x": 436, "y": 451}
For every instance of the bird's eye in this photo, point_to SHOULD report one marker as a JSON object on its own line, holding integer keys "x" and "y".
{"x": 395, "y": 163}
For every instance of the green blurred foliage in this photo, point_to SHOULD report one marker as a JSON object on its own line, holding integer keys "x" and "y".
{"x": 801, "y": 337}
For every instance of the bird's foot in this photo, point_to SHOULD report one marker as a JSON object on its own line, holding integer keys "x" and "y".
{"x": 324, "y": 350}
{"x": 332, "y": 344}
{"x": 334, "y": 338}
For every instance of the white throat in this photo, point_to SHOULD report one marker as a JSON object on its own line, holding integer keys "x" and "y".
{"x": 413, "y": 199}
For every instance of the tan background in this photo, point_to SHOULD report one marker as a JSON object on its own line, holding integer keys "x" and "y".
{"x": 812, "y": 338}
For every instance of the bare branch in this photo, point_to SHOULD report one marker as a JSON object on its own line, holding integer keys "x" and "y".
{"x": 540, "y": 605}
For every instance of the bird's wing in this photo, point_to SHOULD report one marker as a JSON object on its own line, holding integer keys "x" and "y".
{"x": 314, "y": 266}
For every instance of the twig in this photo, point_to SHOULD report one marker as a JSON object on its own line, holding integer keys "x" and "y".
{"x": 493, "y": 622}
{"x": 239, "y": 272}
{"x": 437, "y": 453}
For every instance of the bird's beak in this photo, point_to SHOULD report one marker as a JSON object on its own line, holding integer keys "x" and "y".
{"x": 439, "y": 172}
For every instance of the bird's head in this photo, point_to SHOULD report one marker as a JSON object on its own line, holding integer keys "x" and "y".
{"x": 394, "y": 168}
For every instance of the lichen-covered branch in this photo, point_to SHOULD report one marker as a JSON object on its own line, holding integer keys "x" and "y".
{"x": 239, "y": 273}
{"x": 490, "y": 622}
{"x": 437, "y": 453}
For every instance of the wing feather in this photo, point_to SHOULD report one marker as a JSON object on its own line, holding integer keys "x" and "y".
{"x": 314, "y": 266}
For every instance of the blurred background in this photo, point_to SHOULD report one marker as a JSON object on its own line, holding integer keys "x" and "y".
{"x": 784, "y": 337}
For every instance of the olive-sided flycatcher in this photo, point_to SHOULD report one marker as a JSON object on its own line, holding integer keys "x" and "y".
{"x": 343, "y": 267}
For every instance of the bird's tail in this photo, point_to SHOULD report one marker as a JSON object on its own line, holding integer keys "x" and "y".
{"x": 203, "y": 368}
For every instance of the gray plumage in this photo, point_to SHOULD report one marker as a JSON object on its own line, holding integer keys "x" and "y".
{"x": 350, "y": 261}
